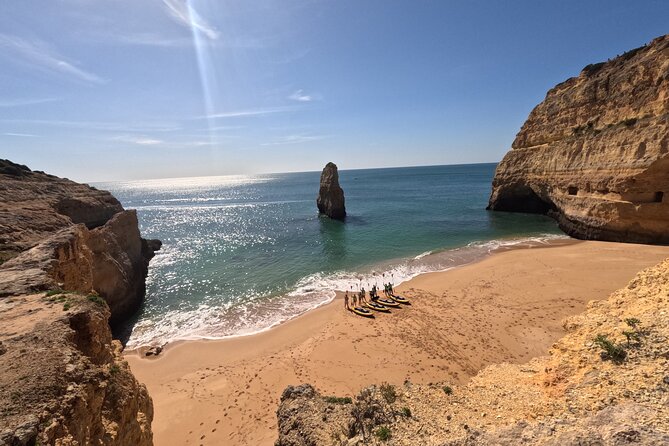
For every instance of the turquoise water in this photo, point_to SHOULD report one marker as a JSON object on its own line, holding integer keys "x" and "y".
{"x": 243, "y": 253}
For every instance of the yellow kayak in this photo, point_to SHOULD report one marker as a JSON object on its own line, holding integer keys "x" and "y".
{"x": 388, "y": 303}
{"x": 360, "y": 311}
{"x": 378, "y": 307}
{"x": 400, "y": 299}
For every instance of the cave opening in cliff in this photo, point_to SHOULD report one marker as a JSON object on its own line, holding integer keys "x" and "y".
{"x": 658, "y": 197}
{"x": 572, "y": 190}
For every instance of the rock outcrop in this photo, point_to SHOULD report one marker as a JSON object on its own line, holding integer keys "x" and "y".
{"x": 63, "y": 381}
{"x": 330, "y": 199}
{"x": 55, "y": 233}
{"x": 71, "y": 261}
{"x": 595, "y": 153}
{"x": 606, "y": 382}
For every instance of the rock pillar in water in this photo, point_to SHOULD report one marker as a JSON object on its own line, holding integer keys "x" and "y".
{"x": 330, "y": 199}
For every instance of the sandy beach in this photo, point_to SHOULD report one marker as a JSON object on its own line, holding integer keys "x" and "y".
{"x": 507, "y": 307}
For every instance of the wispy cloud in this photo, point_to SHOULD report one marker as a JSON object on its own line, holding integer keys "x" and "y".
{"x": 301, "y": 96}
{"x": 6, "y": 103}
{"x": 39, "y": 55}
{"x": 151, "y": 39}
{"x": 138, "y": 127}
{"x": 139, "y": 140}
{"x": 296, "y": 139}
{"x": 21, "y": 135}
{"x": 250, "y": 112}
{"x": 183, "y": 13}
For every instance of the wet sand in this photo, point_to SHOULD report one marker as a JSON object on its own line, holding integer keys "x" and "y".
{"x": 507, "y": 307}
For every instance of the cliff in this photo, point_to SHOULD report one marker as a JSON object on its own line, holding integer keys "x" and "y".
{"x": 330, "y": 199}
{"x": 595, "y": 153}
{"x": 63, "y": 380}
{"x": 58, "y": 233}
{"x": 606, "y": 382}
{"x": 71, "y": 260}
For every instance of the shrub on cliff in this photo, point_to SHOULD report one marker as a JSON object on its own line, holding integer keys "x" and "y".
{"x": 388, "y": 392}
{"x": 611, "y": 350}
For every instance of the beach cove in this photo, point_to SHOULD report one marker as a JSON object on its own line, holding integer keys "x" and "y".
{"x": 507, "y": 307}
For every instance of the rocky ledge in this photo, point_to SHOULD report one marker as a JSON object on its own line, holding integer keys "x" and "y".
{"x": 330, "y": 199}
{"x": 55, "y": 233}
{"x": 606, "y": 382}
{"x": 71, "y": 260}
{"x": 595, "y": 153}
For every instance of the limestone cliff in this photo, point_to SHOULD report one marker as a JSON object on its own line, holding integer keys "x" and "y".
{"x": 606, "y": 382}
{"x": 71, "y": 259}
{"x": 58, "y": 233}
{"x": 330, "y": 199}
{"x": 595, "y": 153}
{"x": 63, "y": 380}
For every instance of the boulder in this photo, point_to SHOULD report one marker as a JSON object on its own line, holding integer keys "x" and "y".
{"x": 330, "y": 199}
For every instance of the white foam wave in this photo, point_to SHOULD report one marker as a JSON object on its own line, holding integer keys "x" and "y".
{"x": 263, "y": 312}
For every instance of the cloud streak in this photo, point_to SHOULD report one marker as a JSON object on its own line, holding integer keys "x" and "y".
{"x": 150, "y": 39}
{"x": 300, "y": 96}
{"x": 38, "y": 54}
{"x": 21, "y": 135}
{"x": 139, "y": 140}
{"x": 8, "y": 103}
{"x": 184, "y": 14}
{"x": 105, "y": 126}
{"x": 295, "y": 139}
{"x": 247, "y": 113}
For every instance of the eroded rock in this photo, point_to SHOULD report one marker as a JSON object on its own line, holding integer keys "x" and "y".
{"x": 330, "y": 199}
{"x": 57, "y": 233}
{"x": 595, "y": 153}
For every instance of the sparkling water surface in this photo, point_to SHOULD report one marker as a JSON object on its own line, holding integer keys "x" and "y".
{"x": 243, "y": 253}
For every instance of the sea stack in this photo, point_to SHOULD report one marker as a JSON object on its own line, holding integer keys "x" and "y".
{"x": 330, "y": 199}
{"x": 594, "y": 154}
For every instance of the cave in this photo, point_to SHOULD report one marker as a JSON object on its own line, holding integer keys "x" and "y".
{"x": 572, "y": 190}
{"x": 520, "y": 198}
{"x": 658, "y": 197}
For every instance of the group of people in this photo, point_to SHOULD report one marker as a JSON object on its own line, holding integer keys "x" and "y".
{"x": 359, "y": 298}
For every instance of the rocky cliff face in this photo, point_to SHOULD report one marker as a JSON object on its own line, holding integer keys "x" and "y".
{"x": 595, "y": 153}
{"x": 606, "y": 382}
{"x": 71, "y": 259}
{"x": 330, "y": 199}
{"x": 58, "y": 233}
{"x": 63, "y": 380}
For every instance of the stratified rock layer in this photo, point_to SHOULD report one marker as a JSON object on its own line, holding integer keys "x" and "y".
{"x": 58, "y": 233}
{"x": 595, "y": 153}
{"x": 330, "y": 199}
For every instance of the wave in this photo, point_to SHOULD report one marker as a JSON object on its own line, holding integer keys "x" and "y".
{"x": 261, "y": 313}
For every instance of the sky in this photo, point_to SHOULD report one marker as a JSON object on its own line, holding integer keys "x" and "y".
{"x": 132, "y": 89}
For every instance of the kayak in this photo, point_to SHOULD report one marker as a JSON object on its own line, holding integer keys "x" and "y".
{"x": 377, "y": 307}
{"x": 400, "y": 299}
{"x": 360, "y": 311}
{"x": 389, "y": 303}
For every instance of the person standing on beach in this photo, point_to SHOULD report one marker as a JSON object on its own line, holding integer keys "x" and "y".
{"x": 346, "y": 300}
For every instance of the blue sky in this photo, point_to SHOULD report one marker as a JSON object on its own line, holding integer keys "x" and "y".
{"x": 129, "y": 89}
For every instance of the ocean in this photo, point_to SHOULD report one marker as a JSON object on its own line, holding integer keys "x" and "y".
{"x": 244, "y": 253}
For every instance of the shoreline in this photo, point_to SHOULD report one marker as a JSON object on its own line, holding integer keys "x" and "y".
{"x": 506, "y": 307}
{"x": 516, "y": 243}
